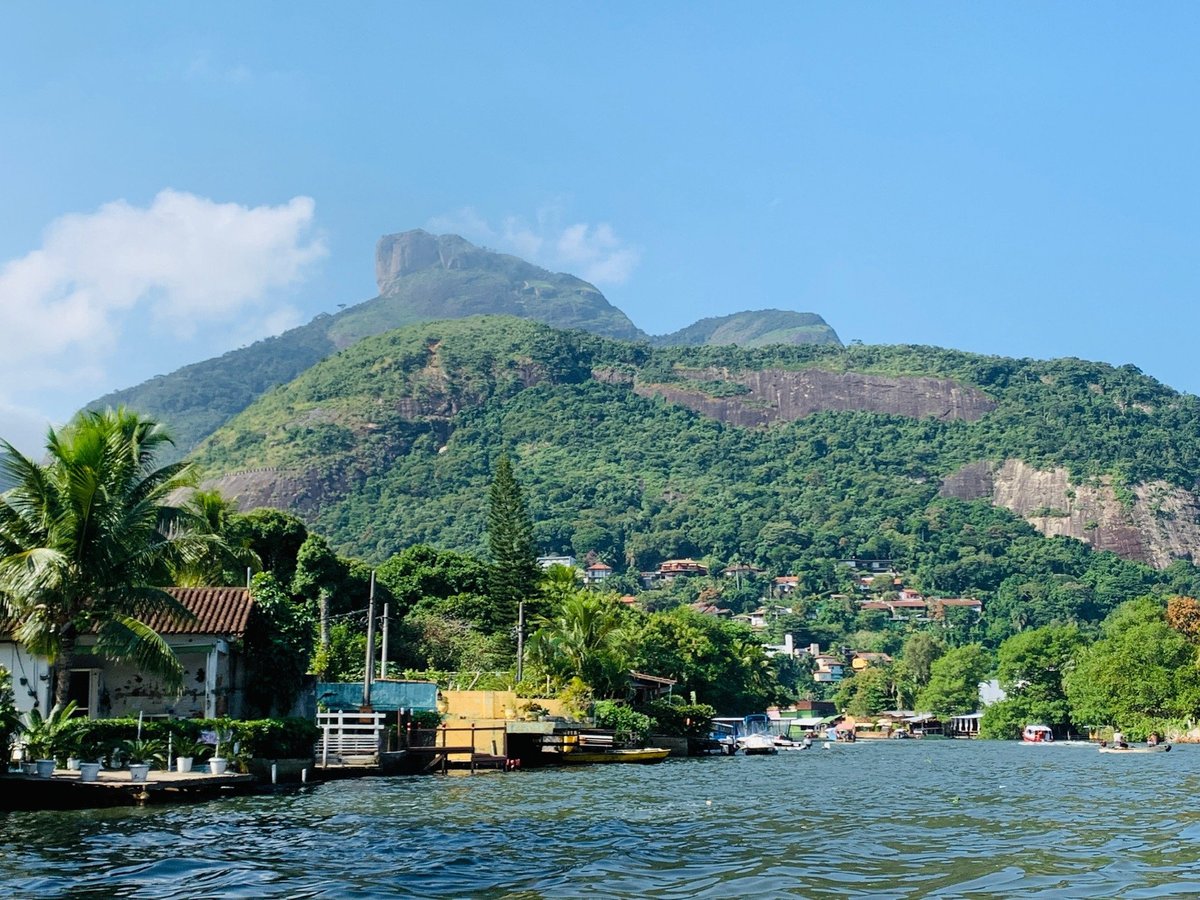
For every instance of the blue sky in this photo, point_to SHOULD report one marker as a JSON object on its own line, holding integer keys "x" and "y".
{"x": 178, "y": 180}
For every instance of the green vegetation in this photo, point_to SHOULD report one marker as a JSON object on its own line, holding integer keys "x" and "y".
{"x": 85, "y": 538}
{"x": 754, "y": 329}
{"x": 10, "y": 720}
{"x": 102, "y": 739}
{"x": 514, "y": 570}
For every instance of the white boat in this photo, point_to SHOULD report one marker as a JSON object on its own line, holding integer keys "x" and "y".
{"x": 1037, "y": 734}
{"x": 1153, "y": 748}
{"x": 757, "y": 744}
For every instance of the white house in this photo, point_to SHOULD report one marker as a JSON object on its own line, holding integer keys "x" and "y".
{"x": 213, "y": 680}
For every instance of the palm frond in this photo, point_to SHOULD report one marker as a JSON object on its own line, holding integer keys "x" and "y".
{"x": 129, "y": 639}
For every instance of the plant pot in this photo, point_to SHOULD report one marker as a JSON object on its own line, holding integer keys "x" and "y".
{"x": 89, "y": 771}
{"x": 216, "y": 765}
{"x": 183, "y": 764}
{"x": 44, "y": 768}
{"x": 72, "y": 764}
{"x": 28, "y": 768}
{"x": 138, "y": 771}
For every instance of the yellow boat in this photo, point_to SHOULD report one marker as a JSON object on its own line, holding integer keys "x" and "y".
{"x": 645, "y": 755}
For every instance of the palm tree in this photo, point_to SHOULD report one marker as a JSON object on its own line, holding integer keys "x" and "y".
{"x": 86, "y": 535}
{"x": 224, "y": 560}
{"x": 584, "y": 639}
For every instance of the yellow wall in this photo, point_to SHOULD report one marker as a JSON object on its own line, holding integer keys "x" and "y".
{"x": 489, "y": 712}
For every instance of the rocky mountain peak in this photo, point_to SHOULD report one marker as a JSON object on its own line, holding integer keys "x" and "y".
{"x": 397, "y": 255}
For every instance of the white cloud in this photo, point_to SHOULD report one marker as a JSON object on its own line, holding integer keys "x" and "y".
{"x": 181, "y": 264}
{"x": 593, "y": 252}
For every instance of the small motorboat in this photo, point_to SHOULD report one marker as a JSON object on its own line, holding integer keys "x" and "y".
{"x": 757, "y": 745}
{"x": 1152, "y": 748}
{"x": 1037, "y": 734}
{"x": 634, "y": 755}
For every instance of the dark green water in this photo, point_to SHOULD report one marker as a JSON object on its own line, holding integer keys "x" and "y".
{"x": 895, "y": 819}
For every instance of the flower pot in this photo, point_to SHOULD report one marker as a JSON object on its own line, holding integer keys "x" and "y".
{"x": 138, "y": 771}
{"x": 89, "y": 771}
{"x": 44, "y": 767}
{"x": 28, "y": 768}
{"x": 72, "y": 764}
{"x": 183, "y": 764}
{"x": 216, "y": 766}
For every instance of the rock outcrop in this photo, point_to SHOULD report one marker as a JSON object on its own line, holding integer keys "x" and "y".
{"x": 774, "y": 395}
{"x": 1158, "y": 525}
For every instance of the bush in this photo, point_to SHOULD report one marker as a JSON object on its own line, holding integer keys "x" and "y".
{"x": 628, "y": 723}
{"x": 680, "y": 719}
{"x": 292, "y": 738}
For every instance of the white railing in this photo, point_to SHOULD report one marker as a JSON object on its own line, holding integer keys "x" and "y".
{"x": 346, "y": 734}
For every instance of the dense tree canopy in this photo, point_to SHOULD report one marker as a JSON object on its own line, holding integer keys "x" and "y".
{"x": 88, "y": 537}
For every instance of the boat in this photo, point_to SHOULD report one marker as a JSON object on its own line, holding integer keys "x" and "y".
{"x": 642, "y": 755}
{"x": 757, "y": 745}
{"x": 1037, "y": 734}
{"x": 750, "y": 734}
{"x": 1153, "y": 748}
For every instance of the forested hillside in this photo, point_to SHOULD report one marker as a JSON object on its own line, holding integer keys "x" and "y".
{"x": 423, "y": 277}
{"x": 391, "y": 442}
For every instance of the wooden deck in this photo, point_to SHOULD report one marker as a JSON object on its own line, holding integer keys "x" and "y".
{"x": 65, "y": 790}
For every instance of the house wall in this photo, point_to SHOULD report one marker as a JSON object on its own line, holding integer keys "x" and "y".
{"x": 211, "y": 681}
{"x": 125, "y": 690}
{"x": 30, "y": 677}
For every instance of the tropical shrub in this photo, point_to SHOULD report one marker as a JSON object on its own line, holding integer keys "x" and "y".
{"x": 677, "y": 718}
{"x": 629, "y": 724}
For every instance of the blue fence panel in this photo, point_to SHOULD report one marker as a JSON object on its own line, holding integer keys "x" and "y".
{"x": 386, "y": 696}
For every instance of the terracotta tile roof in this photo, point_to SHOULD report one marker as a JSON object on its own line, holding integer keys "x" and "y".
{"x": 218, "y": 610}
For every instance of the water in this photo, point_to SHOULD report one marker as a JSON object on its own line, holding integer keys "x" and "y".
{"x": 889, "y": 819}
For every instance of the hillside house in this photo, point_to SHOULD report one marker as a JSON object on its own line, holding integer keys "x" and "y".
{"x": 863, "y": 659}
{"x": 785, "y": 584}
{"x": 207, "y": 647}
{"x": 828, "y": 668}
{"x": 673, "y": 568}
{"x": 596, "y": 573}
{"x": 708, "y": 609}
{"x": 940, "y": 605}
{"x": 547, "y": 561}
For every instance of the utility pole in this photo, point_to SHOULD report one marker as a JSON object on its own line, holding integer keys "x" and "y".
{"x": 520, "y": 641}
{"x": 384, "y": 661}
{"x": 369, "y": 668}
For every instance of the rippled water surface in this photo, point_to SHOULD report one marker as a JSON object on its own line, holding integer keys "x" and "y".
{"x": 894, "y": 819}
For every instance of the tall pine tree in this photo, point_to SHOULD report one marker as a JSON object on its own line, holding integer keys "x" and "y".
{"x": 515, "y": 572}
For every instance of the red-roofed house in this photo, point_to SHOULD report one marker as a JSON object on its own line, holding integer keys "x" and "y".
{"x": 206, "y": 646}
{"x": 596, "y": 573}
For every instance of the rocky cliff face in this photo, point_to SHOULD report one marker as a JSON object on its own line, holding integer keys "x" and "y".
{"x": 774, "y": 395}
{"x": 1161, "y": 524}
{"x": 397, "y": 255}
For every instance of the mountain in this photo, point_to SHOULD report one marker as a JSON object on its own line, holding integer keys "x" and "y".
{"x": 788, "y": 457}
{"x": 756, "y": 328}
{"x": 423, "y": 277}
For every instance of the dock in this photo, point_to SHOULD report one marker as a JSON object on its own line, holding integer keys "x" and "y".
{"x": 65, "y": 790}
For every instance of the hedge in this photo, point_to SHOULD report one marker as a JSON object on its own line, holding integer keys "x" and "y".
{"x": 291, "y": 738}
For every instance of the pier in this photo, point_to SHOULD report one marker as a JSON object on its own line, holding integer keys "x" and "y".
{"x": 65, "y": 790}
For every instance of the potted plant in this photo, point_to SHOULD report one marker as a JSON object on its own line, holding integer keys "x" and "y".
{"x": 138, "y": 754}
{"x": 43, "y": 737}
{"x": 218, "y": 763}
{"x": 91, "y": 760}
{"x": 187, "y": 753}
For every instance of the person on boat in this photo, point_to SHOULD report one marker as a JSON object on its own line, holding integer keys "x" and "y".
{"x": 807, "y": 742}
{"x": 1153, "y": 739}
{"x": 1119, "y": 740}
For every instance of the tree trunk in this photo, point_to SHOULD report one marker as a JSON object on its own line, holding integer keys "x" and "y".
{"x": 62, "y": 668}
